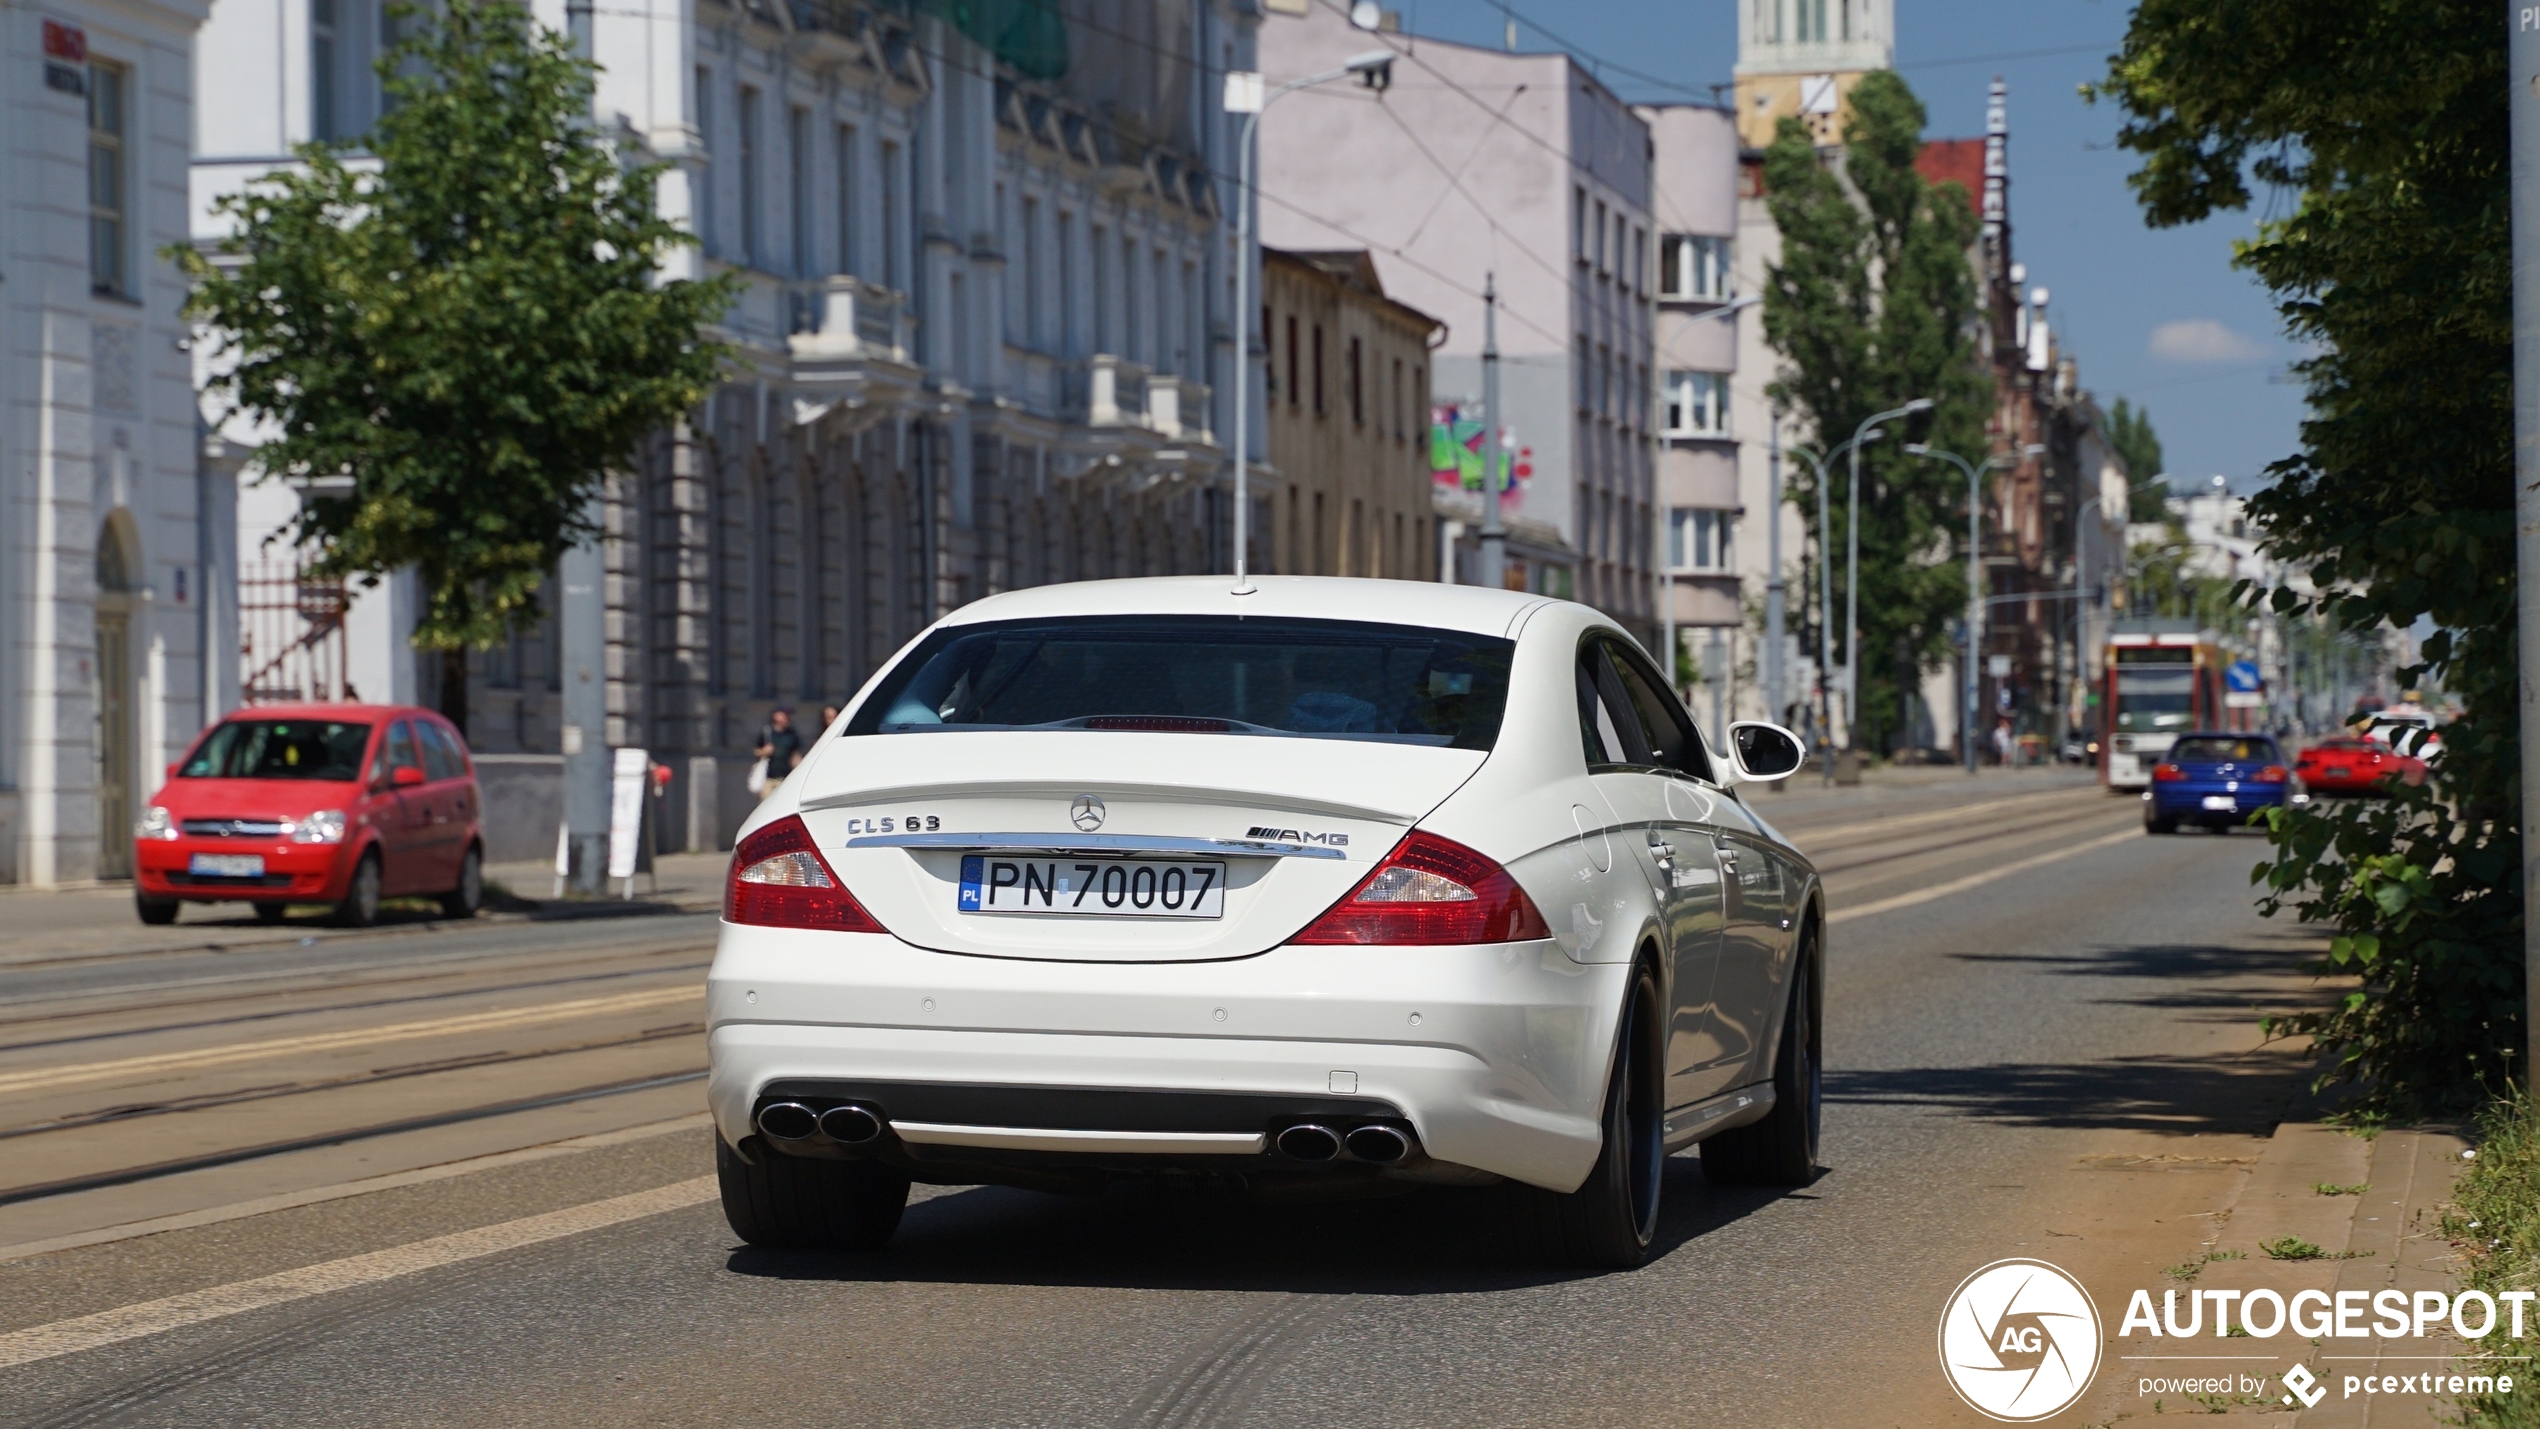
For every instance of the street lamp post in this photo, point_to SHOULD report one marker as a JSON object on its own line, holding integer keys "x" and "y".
{"x": 1825, "y": 595}
{"x": 1245, "y": 95}
{"x": 1975, "y": 595}
{"x": 1852, "y": 570}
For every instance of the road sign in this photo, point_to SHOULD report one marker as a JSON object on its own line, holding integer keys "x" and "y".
{"x": 2242, "y": 678}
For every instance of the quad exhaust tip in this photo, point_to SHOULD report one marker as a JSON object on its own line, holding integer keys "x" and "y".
{"x": 850, "y": 1125}
{"x": 788, "y": 1121}
{"x": 1308, "y": 1142}
{"x": 1380, "y": 1144}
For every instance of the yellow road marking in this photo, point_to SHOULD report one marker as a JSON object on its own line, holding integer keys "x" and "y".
{"x": 175, "y": 1312}
{"x": 1961, "y": 885}
{"x": 46, "y": 1078}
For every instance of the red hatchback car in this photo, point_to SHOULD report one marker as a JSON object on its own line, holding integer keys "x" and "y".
{"x": 2354, "y": 766}
{"x": 320, "y": 803}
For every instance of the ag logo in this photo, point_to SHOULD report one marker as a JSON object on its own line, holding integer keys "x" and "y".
{"x": 2019, "y": 1340}
{"x": 1087, "y": 812}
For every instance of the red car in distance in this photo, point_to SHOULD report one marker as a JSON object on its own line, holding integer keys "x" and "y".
{"x": 338, "y": 804}
{"x": 2351, "y": 766}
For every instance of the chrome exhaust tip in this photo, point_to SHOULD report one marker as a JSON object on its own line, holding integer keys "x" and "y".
{"x": 1380, "y": 1144}
{"x": 850, "y": 1125}
{"x": 1308, "y": 1142}
{"x": 788, "y": 1121}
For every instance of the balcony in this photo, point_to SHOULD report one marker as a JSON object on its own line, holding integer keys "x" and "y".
{"x": 1103, "y": 391}
{"x": 851, "y": 339}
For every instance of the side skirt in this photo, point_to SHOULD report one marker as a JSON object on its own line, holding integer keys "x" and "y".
{"x": 1687, "y": 1125}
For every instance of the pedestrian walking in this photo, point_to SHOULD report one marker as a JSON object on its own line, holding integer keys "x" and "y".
{"x": 779, "y": 749}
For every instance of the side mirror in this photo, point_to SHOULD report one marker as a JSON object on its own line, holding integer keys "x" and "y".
{"x": 1765, "y": 752}
{"x": 171, "y": 771}
{"x": 405, "y": 776}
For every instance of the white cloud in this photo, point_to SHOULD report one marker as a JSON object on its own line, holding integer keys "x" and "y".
{"x": 2202, "y": 340}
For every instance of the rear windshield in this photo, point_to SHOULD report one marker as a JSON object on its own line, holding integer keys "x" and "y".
{"x": 2223, "y": 751}
{"x": 280, "y": 749}
{"x": 1320, "y": 679}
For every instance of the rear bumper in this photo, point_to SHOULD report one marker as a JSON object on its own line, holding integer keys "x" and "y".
{"x": 297, "y": 873}
{"x": 2180, "y": 800}
{"x": 1503, "y": 1069}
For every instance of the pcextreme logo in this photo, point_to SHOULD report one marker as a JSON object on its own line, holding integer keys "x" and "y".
{"x": 2019, "y": 1340}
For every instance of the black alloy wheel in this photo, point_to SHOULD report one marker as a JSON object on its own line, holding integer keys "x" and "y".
{"x": 1610, "y": 1221}
{"x": 464, "y": 900}
{"x": 1781, "y": 1150}
{"x": 797, "y": 1203}
{"x": 360, "y": 907}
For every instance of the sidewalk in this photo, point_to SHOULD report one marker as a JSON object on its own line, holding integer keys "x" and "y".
{"x": 685, "y": 882}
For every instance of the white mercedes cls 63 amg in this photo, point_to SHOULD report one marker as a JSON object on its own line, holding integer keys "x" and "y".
{"x": 1332, "y": 881}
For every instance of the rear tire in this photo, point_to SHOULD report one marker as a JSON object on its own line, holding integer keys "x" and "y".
{"x": 795, "y": 1203}
{"x": 271, "y": 912}
{"x": 1781, "y": 1150}
{"x": 157, "y": 912}
{"x": 360, "y": 907}
{"x": 2152, "y": 825}
{"x": 464, "y": 900}
{"x": 1611, "y": 1219}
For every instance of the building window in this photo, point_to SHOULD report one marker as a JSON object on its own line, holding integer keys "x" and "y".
{"x": 108, "y": 182}
{"x": 1693, "y": 268}
{"x": 1401, "y": 430}
{"x": 846, "y": 199}
{"x": 1071, "y": 329}
{"x": 1032, "y": 272}
{"x": 1319, "y": 409}
{"x": 1295, "y": 389}
{"x": 1698, "y": 539}
{"x": 1357, "y": 392}
{"x": 748, "y": 161}
{"x": 324, "y": 122}
{"x": 1600, "y": 235}
{"x": 798, "y": 186}
{"x": 894, "y": 270}
{"x": 1697, "y": 404}
{"x": 1578, "y": 223}
{"x": 705, "y": 177}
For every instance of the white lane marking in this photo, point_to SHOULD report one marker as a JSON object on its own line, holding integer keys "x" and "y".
{"x": 1973, "y": 880}
{"x": 175, "y": 1312}
{"x": 40, "y": 1078}
{"x": 1956, "y": 811}
{"x": 314, "y": 1195}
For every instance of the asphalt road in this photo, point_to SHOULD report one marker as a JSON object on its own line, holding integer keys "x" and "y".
{"x": 2040, "y": 1039}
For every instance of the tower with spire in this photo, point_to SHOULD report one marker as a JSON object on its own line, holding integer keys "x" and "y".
{"x": 1802, "y": 57}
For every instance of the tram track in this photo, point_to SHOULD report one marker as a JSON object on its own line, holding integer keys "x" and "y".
{"x": 325, "y": 1009}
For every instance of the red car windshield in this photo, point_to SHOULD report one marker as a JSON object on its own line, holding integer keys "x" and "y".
{"x": 280, "y": 749}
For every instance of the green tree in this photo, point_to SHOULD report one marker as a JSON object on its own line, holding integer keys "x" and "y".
{"x": 2130, "y": 432}
{"x": 2388, "y": 119}
{"x": 1874, "y": 304}
{"x": 473, "y": 328}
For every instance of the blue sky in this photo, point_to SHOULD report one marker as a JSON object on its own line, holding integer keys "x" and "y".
{"x": 2158, "y": 316}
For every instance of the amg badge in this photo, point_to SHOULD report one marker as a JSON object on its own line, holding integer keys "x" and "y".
{"x": 1296, "y": 836}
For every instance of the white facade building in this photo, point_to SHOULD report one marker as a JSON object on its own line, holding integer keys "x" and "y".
{"x": 984, "y": 338}
{"x": 1525, "y": 171}
{"x": 103, "y": 609}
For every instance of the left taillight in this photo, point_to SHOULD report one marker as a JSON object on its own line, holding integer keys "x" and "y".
{"x": 1435, "y": 892}
{"x": 779, "y": 880}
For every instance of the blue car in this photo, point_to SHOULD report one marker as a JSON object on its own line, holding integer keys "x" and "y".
{"x": 2218, "y": 780}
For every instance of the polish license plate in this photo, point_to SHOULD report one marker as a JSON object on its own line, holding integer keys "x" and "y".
{"x": 226, "y": 865}
{"x": 2220, "y": 803}
{"x": 1104, "y": 888}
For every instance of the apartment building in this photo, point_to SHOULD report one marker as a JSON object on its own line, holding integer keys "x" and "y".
{"x": 1347, "y": 488}
{"x": 107, "y": 591}
{"x": 1520, "y": 174}
{"x": 984, "y": 337}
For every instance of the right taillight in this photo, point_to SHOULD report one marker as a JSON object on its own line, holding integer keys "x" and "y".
{"x": 1434, "y": 892}
{"x": 779, "y": 880}
{"x": 2168, "y": 772}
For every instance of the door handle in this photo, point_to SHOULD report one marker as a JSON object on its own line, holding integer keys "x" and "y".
{"x": 1661, "y": 852}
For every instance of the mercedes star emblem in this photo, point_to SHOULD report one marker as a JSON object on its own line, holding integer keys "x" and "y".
{"x": 1086, "y": 812}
